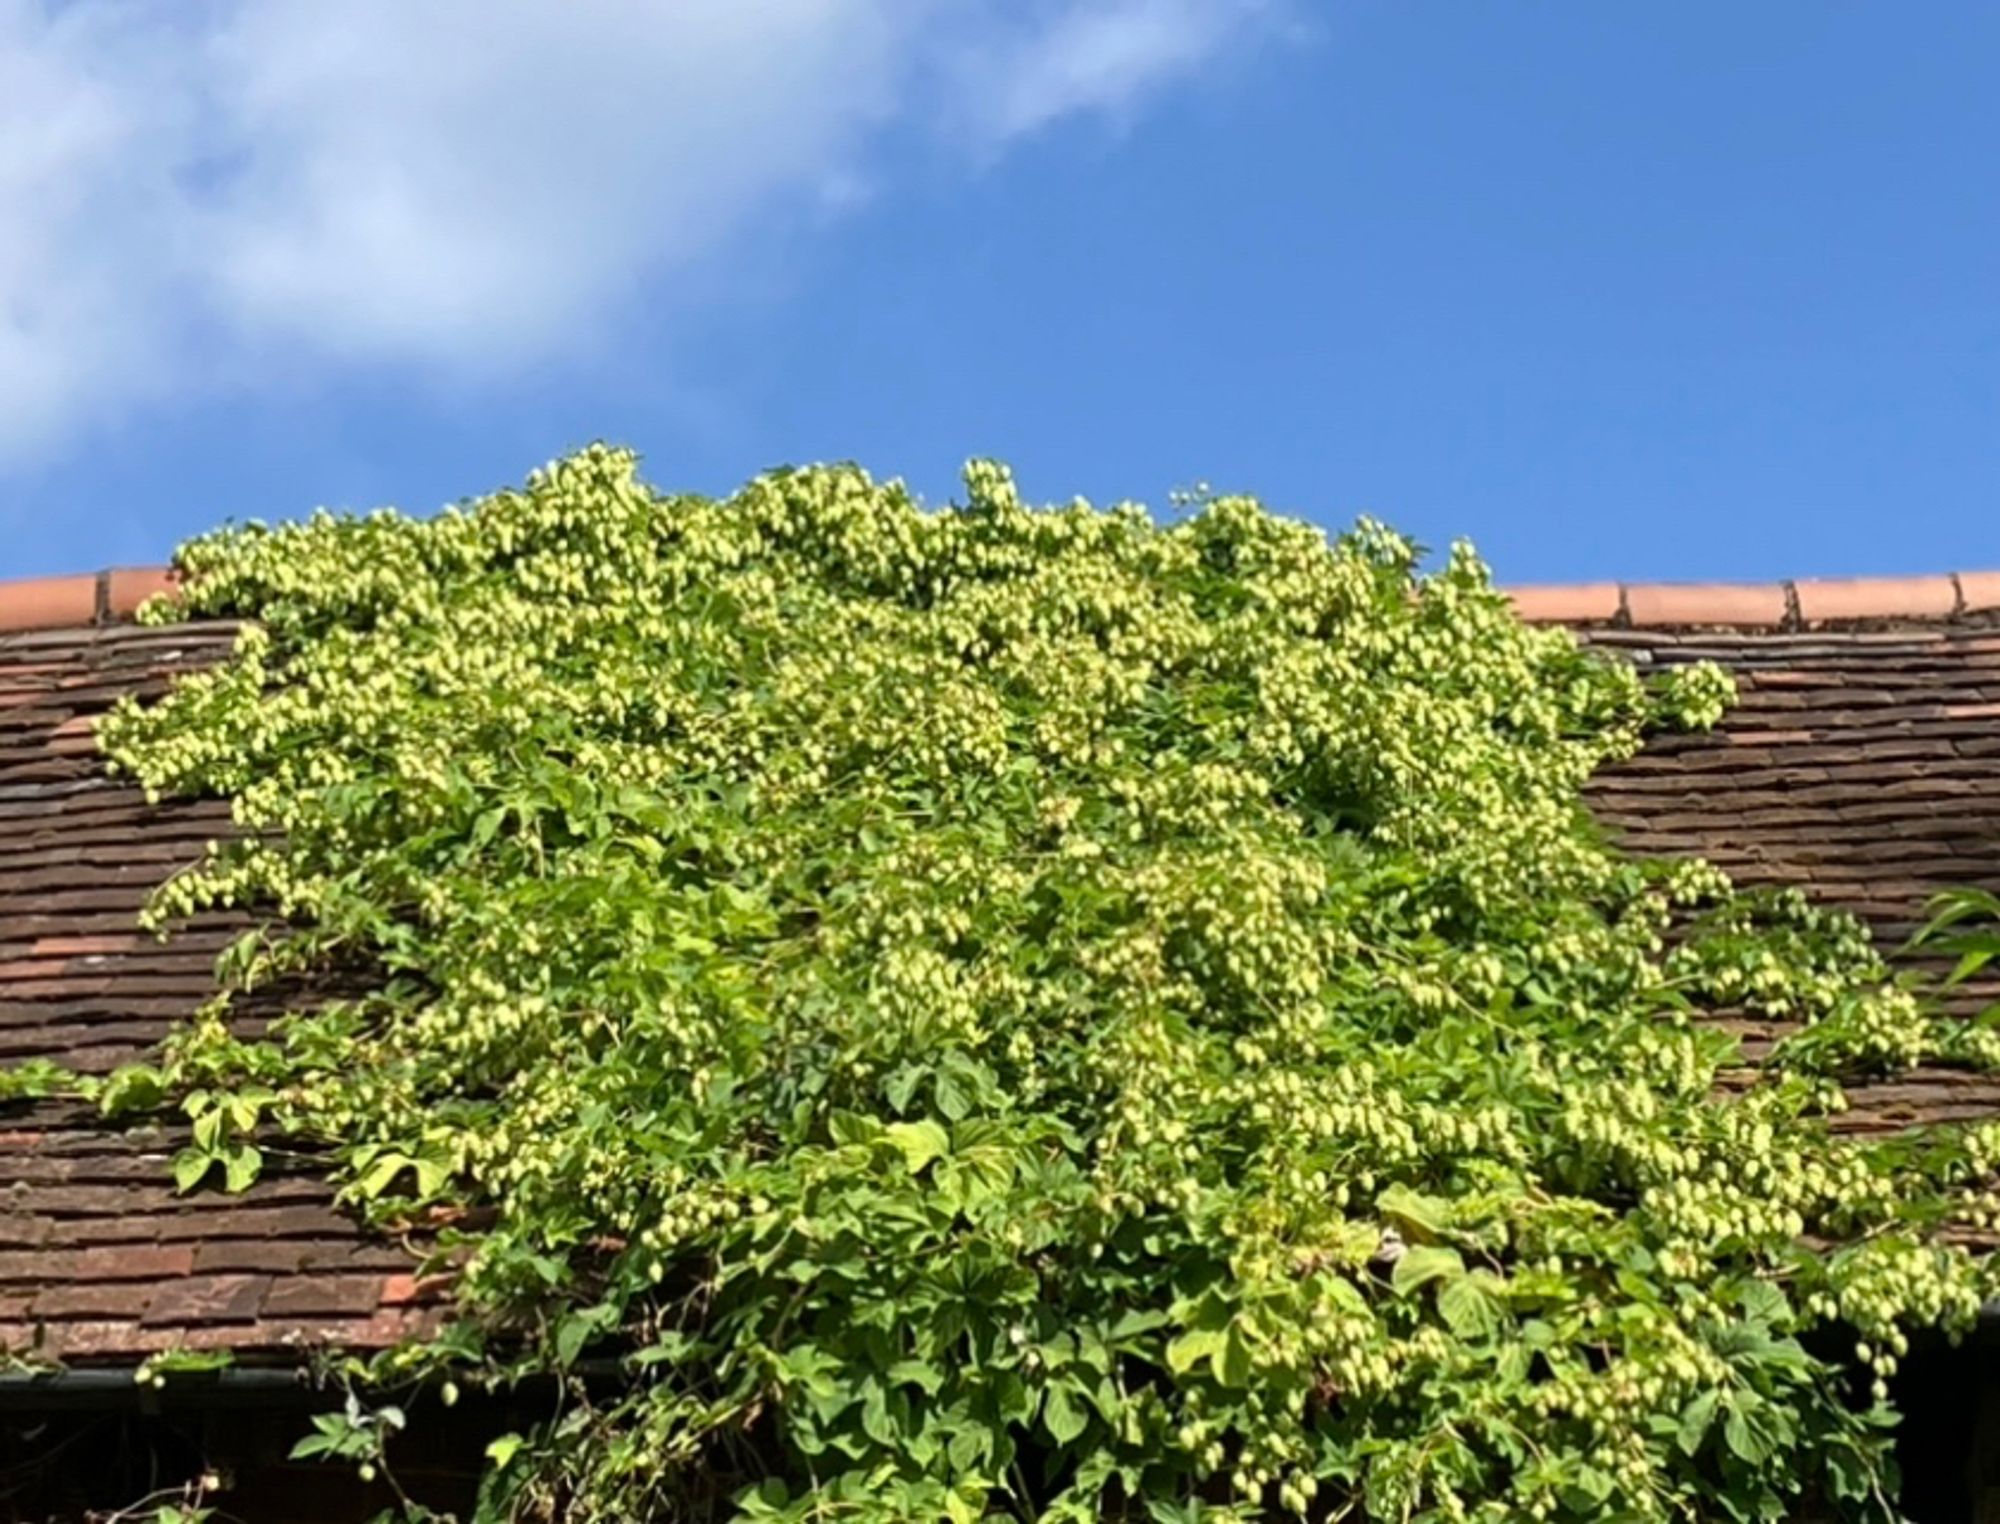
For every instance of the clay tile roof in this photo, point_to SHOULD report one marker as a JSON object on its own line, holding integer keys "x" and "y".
{"x": 1862, "y": 762}
{"x": 99, "y": 1257}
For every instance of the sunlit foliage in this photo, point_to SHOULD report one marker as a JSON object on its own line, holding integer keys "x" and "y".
{"x": 1037, "y": 1013}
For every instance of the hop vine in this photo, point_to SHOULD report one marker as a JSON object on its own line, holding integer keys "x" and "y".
{"x": 1013, "y": 1012}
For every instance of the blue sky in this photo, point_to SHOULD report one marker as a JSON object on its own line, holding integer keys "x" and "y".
{"x": 1646, "y": 291}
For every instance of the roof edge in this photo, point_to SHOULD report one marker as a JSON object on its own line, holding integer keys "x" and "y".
{"x": 113, "y": 595}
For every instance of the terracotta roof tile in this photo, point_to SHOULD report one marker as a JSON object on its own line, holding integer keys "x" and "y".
{"x": 126, "y": 587}
{"x": 1752, "y": 605}
{"x": 48, "y": 603}
{"x": 1821, "y": 601}
{"x": 1979, "y": 592}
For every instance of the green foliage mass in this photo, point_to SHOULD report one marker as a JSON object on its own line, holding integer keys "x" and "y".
{"x": 1035, "y": 1013}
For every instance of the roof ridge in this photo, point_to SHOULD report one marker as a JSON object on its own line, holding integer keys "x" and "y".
{"x": 113, "y": 595}
{"x": 110, "y": 596}
{"x": 1792, "y": 604}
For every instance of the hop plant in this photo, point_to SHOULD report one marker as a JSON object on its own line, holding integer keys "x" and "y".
{"x": 1033, "y": 1013}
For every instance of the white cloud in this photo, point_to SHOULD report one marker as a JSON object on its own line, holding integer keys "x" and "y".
{"x": 1036, "y": 66}
{"x": 191, "y": 192}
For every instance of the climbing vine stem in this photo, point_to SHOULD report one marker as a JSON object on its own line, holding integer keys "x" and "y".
{"x": 1034, "y": 1013}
